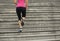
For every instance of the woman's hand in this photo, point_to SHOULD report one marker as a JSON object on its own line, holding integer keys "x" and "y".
{"x": 15, "y": 1}
{"x": 26, "y": 4}
{"x": 26, "y": 7}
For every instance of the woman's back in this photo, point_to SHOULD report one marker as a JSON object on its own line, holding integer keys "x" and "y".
{"x": 20, "y": 3}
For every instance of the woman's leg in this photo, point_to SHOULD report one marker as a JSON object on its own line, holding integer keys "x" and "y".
{"x": 23, "y": 15}
{"x": 20, "y": 26}
{"x": 18, "y": 11}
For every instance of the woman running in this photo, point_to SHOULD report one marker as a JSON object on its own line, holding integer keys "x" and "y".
{"x": 21, "y": 6}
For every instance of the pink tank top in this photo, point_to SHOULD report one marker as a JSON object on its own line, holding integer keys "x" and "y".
{"x": 20, "y": 3}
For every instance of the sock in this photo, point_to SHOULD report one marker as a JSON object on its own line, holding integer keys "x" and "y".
{"x": 21, "y": 27}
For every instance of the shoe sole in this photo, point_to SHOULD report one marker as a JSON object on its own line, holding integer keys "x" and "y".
{"x": 22, "y": 23}
{"x": 19, "y": 30}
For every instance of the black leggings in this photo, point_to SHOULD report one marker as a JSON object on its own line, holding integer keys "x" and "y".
{"x": 21, "y": 12}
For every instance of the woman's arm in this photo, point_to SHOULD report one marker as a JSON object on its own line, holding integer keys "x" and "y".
{"x": 15, "y": 1}
{"x": 26, "y": 3}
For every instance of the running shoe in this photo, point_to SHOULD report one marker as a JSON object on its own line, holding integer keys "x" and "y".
{"x": 22, "y": 23}
{"x": 19, "y": 30}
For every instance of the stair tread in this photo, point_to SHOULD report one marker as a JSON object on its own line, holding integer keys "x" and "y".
{"x": 40, "y": 4}
{"x": 41, "y": 24}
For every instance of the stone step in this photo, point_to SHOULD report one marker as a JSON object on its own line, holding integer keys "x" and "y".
{"x": 14, "y": 20}
{"x": 6, "y": 36}
{"x": 29, "y": 8}
{"x": 29, "y": 34}
{"x": 34, "y": 1}
{"x": 46, "y": 0}
{"x": 30, "y": 1}
{"x": 29, "y": 30}
{"x": 11, "y": 18}
{"x": 28, "y": 14}
{"x": 30, "y": 18}
{"x": 31, "y": 22}
{"x": 34, "y": 27}
{"x": 37, "y": 16}
{"x": 42, "y": 19}
{"x": 44, "y": 4}
{"x": 15, "y": 26}
{"x": 8, "y": 26}
{"x": 31, "y": 25}
{"x": 32, "y": 33}
{"x": 35, "y": 9}
{"x": 30, "y": 39}
{"x": 54, "y": 16}
{"x": 28, "y": 27}
{"x": 44, "y": 11}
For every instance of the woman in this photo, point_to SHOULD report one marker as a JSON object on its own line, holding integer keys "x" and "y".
{"x": 21, "y": 6}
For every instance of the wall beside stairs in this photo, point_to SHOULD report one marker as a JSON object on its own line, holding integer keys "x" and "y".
{"x": 42, "y": 22}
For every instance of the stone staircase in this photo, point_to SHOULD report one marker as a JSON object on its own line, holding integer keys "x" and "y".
{"x": 41, "y": 24}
